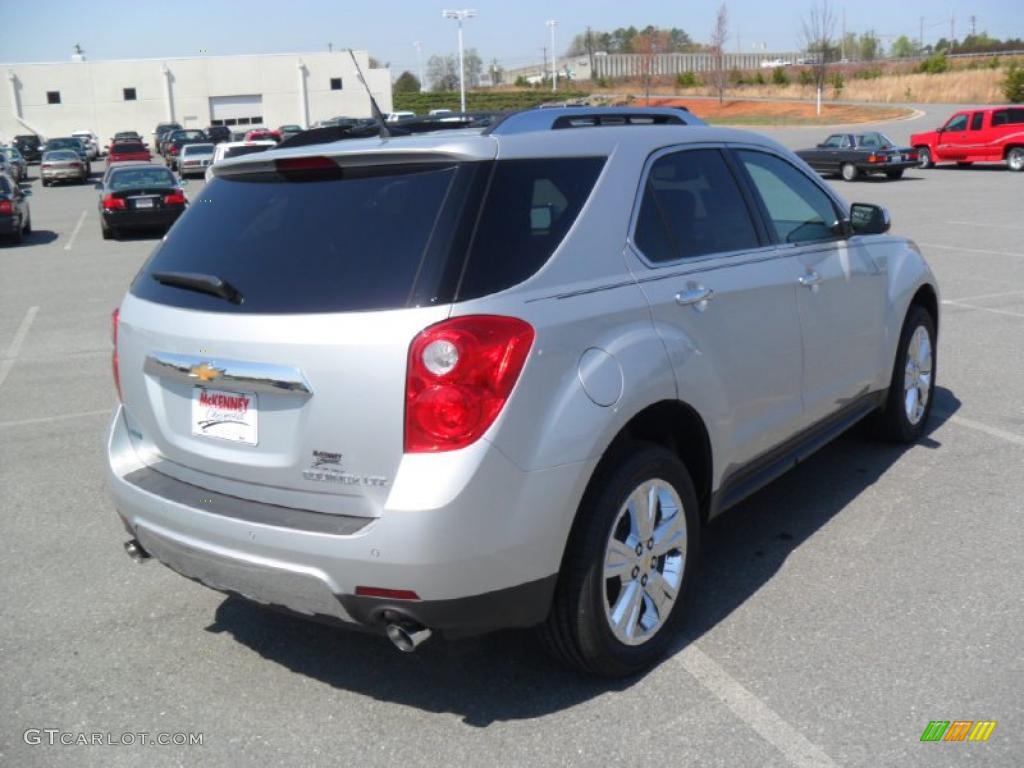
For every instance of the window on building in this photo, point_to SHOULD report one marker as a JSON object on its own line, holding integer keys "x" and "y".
{"x": 335, "y": 83}
{"x": 129, "y": 94}
{"x": 230, "y": 121}
{"x": 53, "y": 97}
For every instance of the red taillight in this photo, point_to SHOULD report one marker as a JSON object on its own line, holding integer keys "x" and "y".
{"x": 177, "y": 197}
{"x": 876, "y": 158}
{"x": 6, "y": 206}
{"x": 111, "y": 203}
{"x": 394, "y": 594}
{"x": 173, "y": 150}
{"x": 460, "y": 373}
{"x": 115, "y": 363}
{"x": 315, "y": 163}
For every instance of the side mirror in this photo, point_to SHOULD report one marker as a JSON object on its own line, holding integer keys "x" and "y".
{"x": 868, "y": 219}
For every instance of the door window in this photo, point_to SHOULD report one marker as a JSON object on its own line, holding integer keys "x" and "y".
{"x": 798, "y": 209}
{"x": 958, "y": 123}
{"x": 692, "y": 206}
{"x": 976, "y": 121}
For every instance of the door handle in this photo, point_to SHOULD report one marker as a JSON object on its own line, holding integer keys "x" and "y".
{"x": 810, "y": 280}
{"x": 698, "y": 296}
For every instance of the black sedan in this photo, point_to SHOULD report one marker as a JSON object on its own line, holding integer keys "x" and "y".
{"x": 15, "y": 216}
{"x": 852, "y": 154}
{"x": 30, "y": 146}
{"x": 139, "y": 196}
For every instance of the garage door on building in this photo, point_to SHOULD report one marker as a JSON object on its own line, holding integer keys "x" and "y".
{"x": 236, "y": 110}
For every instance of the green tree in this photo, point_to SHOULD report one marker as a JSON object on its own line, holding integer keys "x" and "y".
{"x": 407, "y": 82}
{"x": 1013, "y": 83}
{"x": 779, "y": 76}
{"x": 902, "y": 47}
{"x": 868, "y": 47}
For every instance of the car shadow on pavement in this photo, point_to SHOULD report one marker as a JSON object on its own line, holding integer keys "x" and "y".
{"x": 506, "y": 675}
{"x": 35, "y": 237}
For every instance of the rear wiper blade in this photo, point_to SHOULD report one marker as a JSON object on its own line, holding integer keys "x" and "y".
{"x": 197, "y": 281}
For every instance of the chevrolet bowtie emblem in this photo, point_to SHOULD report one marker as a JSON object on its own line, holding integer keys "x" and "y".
{"x": 205, "y": 372}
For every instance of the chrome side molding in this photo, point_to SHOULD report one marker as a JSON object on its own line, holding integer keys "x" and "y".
{"x": 253, "y": 377}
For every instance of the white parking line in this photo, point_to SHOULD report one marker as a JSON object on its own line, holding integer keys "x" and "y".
{"x": 977, "y": 426}
{"x": 752, "y": 711}
{"x": 74, "y": 233}
{"x": 978, "y": 297}
{"x": 993, "y": 310}
{"x": 15, "y": 346}
{"x": 47, "y": 419}
{"x": 983, "y": 224}
{"x": 970, "y": 250}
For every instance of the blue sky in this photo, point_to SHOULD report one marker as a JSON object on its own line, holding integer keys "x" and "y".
{"x": 511, "y": 31}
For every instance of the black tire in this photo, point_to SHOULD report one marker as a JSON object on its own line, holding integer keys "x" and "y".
{"x": 849, "y": 172}
{"x": 924, "y": 158}
{"x": 897, "y": 174}
{"x": 45, "y": 183}
{"x": 106, "y": 232}
{"x": 28, "y": 226}
{"x": 892, "y": 423}
{"x": 18, "y": 235}
{"x": 577, "y": 631}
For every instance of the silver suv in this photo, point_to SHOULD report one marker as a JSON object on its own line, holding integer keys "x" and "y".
{"x": 476, "y": 379}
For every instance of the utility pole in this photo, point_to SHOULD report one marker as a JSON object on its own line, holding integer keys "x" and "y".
{"x": 544, "y": 59}
{"x": 952, "y": 30}
{"x": 461, "y": 16}
{"x": 551, "y": 23}
{"x": 974, "y": 25}
{"x": 419, "y": 62}
{"x": 330, "y": 47}
{"x": 842, "y": 40}
{"x": 590, "y": 50}
{"x": 920, "y": 37}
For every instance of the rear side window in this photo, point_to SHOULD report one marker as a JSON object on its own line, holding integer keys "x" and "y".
{"x": 239, "y": 151}
{"x": 977, "y": 119}
{"x": 354, "y": 240}
{"x": 1015, "y": 115}
{"x": 691, "y": 207}
{"x": 529, "y": 208}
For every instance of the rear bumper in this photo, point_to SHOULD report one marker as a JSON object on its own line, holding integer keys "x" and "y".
{"x": 143, "y": 219}
{"x": 883, "y": 167}
{"x": 61, "y": 173}
{"x": 485, "y": 559}
{"x": 9, "y": 225}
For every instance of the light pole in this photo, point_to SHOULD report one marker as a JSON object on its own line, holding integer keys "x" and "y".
{"x": 551, "y": 23}
{"x": 419, "y": 62}
{"x": 460, "y": 16}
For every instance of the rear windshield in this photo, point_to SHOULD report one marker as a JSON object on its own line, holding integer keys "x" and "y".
{"x": 137, "y": 178}
{"x": 60, "y": 154}
{"x": 198, "y": 149}
{"x": 239, "y": 151}
{"x": 125, "y": 146}
{"x": 63, "y": 143}
{"x": 372, "y": 239}
{"x": 304, "y": 245}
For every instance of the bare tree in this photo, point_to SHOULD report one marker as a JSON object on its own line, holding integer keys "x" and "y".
{"x": 719, "y": 36}
{"x": 818, "y": 30}
{"x": 649, "y": 44}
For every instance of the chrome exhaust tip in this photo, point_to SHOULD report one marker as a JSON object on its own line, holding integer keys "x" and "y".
{"x": 135, "y": 551}
{"x": 408, "y": 637}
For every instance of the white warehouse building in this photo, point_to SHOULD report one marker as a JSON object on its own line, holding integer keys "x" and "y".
{"x": 54, "y": 99}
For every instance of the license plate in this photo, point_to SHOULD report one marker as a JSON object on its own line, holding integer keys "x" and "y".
{"x": 897, "y": 158}
{"x": 225, "y": 415}
{"x": 144, "y": 202}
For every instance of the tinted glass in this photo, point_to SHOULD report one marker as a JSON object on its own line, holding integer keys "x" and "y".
{"x": 692, "y": 207}
{"x": 127, "y": 146}
{"x": 976, "y": 121}
{"x": 354, "y": 240}
{"x": 5, "y": 188}
{"x": 137, "y": 178}
{"x": 239, "y": 151}
{"x": 60, "y": 155}
{"x": 1016, "y": 115}
{"x": 834, "y": 140}
{"x": 798, "y": 209}
{"x": 198, "y": 149}
{"x": 958, "y": 123}
{"x": 999, "y": 118}
{"x": 529, "y": 208}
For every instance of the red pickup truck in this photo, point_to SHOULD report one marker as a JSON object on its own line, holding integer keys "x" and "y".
{"x": 989, "y": 135}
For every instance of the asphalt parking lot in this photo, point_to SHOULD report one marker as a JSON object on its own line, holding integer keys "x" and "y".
{"x": 864, "y": 594}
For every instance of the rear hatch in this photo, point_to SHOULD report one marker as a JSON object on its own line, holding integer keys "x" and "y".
{"x": 288, "y": 385}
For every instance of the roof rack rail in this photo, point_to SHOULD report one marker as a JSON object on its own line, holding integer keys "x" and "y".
{"x": 408, "y": 127}
{"x": 556, "y": 118}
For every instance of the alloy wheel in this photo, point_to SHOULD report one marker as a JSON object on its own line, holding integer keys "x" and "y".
{"x": 644, "y": 562}
{"x": 917, "y": 378}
